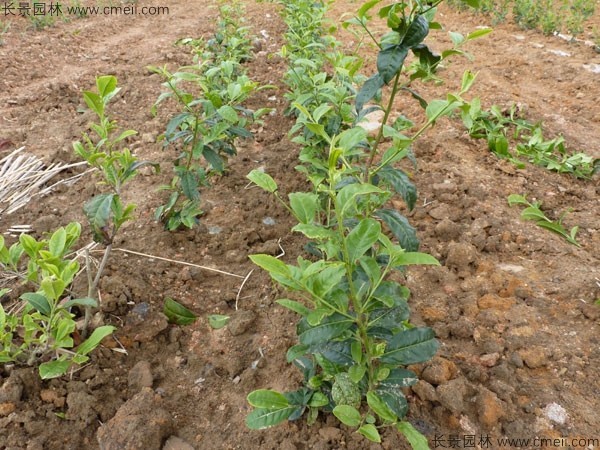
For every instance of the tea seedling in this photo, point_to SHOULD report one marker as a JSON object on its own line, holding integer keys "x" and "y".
{"x": 40, "y": 330}
{"x": 499, "y": 127}
{"x": 355, "y": 337}
{"x": 533, "y": 212}
{"x": 106, "y": 152}
{"x": 211, "y": 95}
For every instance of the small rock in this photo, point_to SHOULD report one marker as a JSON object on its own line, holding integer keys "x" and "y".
{"x": 440, "y": 212}
{"x": 7, "y": 408}
{"x": 141, "y": 423}
{"x": 425, "y": 391}
{"x": 534, "y": 357}
{"x": 516, "y": 360}
{"x": 51, "y": 396}
{"x": 491, "y": 301}
{"x": 590, "y": 311}
{"x": 556, "y": 413}
{"x": 490, "y": 408}
{"x": 12, "y": 389}
{"x": 439, "y": 370}
{"x": 447, "y": 230}
{"x": 241, "y": 322}
{"x": 140, "y": 376}
{"x": 452, "y": 394}
{"x": 447, "y": 187}
{"x": 489, "y": 360}
{"x": 460, "y": 255}
{"x": 81, "y": 407}
{"x": 176, "y": 443}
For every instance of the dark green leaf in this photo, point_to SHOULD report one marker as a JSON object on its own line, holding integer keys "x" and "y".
{"x": 38, "y": 301}
{"x": 294, "y": 306}
{"x": 336, "y": 352}
{"x": 390, "y": 318}
{"x": 368, "y": 91}
{"x": 380, "y": 407}
{"x": 177, "y": 313}
{"x": 362, "y": 238}
{"x": 411, "y": 346}
{"x": 189, "y": 184}
{"x": 400, "y": 182}
{"x": 399, "y": 226}
{"x": 331, "y": 327}
{"x": 416, "y": 33}
{"x": 214, "y": 159}
{"x": 395, "y": 401}
{"x": 399, "y": 378}
{"x": 389, "y": 62}
{"x": 98, "y": 212}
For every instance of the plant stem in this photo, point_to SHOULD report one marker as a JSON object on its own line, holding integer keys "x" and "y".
{"x": 93, "y": 285}
{"x": 386, "y": 116}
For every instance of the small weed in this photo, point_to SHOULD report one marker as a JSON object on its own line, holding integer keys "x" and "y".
{"x": 533, "y": 212}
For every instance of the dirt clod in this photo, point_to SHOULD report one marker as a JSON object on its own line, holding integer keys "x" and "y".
{"x": 140, "y": 376}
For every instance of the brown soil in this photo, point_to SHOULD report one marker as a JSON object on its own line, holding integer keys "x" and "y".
{"x": 512, "y": 304}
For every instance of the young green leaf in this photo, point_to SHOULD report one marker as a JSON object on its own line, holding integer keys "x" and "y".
{"x": 413, "y": 436}
{"x": 218, "y": 321}
{"x": 267, "y": 417}
{"x": 294, "y": 306}
{"x": 53, "y": 369}
{"x": 267, "y": 399}
{"x": 380, "y": 408}
{"x": 370, "y": 432}
{"x": 362, "y": 238}
{"x": 94, "y": 340}
{"x": 38, "y": 301}
{"x": 262, "y": 180}
{"x": 177, "y": 313}
{"x": 348, "y": 415}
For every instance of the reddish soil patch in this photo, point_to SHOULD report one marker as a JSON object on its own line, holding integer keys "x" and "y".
{"x": 512, "y": 304}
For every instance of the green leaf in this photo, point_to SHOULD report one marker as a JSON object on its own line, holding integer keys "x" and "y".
{"x": 98, "y": 212}
{"x": 305, "y": 206}
{"x": 314, "y": 231}
{"x": 38, "y": 301}
{"x": 414, "y": 258}
{"x": 516, "y": 199}
{"x": 416, "y": 33}
{"x": 267, "y": 399}
{"x": 264, "y": 418}
{"x": 189, "y": 184}
{"x": 362, "y": 238}
{"x": 479, "y": 33}
{"x": 85, "y": 301}
{"x": 94, "y": 102}
{"x": 214, "y": 159}
{"x": 318, "y": 400}
{"x": 394, "y": 400}
{"x": 331, "y": 327}
{"x": 218, "y": 321}
{"x": 399, "y": 378}
{"x": 272, "y": 265}
{"x": 380, "y": 408}
{"x": 413, "y": 436}
{"x": 399, "y": 226}
{"x": 346, "y": 197}
{"x": 533, "y": 213}
{"x": 106, "y": 84}
{"x": 294, "y": 306}
{"x": 228, "y": 113}
{"x": 411, "y": 346}
{"x": 177, "y": 313}
{"x": 350, "y": 138}
{"x": 390, "y": 61}
{"x": 370, "y": 432}
{"x": 262, "y": 180}
{"x": 362, "y": 12}
{"x": 53, "y": 369}
{"x": 94, "y": 340}
{"x": 56, "y": 245}
{"x": 400, "y": 182}
{"x": 348, "y": 415}
{"x": 368, "y": 91}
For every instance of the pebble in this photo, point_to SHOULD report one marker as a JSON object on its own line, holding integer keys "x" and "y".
{"x": 460, "y": 255}
{"x": 7, "y": 408}
{"x": 439, "y": 370}
{"x": 489, "y": 360}
{"x": 451, "y": 395}
{"x": 425, "y": 391}
{"x": 534, "y": 357}
{"x": 240, "y": 322}
{"x": 140, "y": 376}
{"x": 556, "y": 413}
{"x": 11, "y": 390}
{"x": 448, "y": 230}
{"x": 176, "y": 443}
{"x": 490, "y": 408}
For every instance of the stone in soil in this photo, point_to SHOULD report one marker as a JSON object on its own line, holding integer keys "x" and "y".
{"x": 140, "y": 424}
{"x": 176, "y": 443}
{"x": 489, "y": 408}
{"x": 241, "y": 322}
{"x": 452, "y": 395}
{"x": 439, "y": 370}
{"x": 534, "y": 357}
{"x": 12, "y": 389}
{"x": 140, "y": 376}
{"x": 460, "y": 256}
